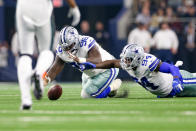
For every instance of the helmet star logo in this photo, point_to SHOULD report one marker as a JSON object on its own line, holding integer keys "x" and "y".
{"x": 136, "y": 51}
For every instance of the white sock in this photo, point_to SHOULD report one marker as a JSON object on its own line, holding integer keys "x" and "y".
{"x": 44, "y": 61}
{"x": 24, "y": 77}
{"x": 115, "y": 85}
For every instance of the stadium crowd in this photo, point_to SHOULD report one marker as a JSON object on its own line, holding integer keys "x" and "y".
{"x": 166, "y": 29}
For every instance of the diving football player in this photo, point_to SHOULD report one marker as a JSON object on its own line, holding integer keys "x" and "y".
{"x": 160, "y": 78}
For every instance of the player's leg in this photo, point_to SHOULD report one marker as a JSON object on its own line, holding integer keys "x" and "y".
{"x": 189, "y": 83}
{"x": 85, "y": 84}
{"x": 99, "y": 86}
{"x": 115, "y": 85}
{"x": 24, "y": 71}
{"x": 24, "y": 68}
{"x": 84, "y": 94}
{"x": 112, "y": 84}
{"x": 44, "y": 36}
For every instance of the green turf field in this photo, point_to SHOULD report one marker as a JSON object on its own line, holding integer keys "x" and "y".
{"x": 141, "y": 111}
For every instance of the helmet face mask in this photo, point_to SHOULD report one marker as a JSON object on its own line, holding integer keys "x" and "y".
{"x": 69, "y": 38}
{"x": 68, "y": 48}
{"x": 126, "y": 62}
{"x": 131, "y": 56}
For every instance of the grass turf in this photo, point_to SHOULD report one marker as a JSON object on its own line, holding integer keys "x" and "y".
{"x": 141, "y": 111}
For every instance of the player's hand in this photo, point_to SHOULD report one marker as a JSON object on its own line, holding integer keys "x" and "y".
{"x": 75, "y": 12}
{"x": 45, "y": 79}
{"x": 75, "y": 65}
{"x": 177, "y": 86}
{"x": 78, "y": 66}
{"x": 45, "y": 82}
{"x": 87, "y": 66}
{"x": 73, "y": 57}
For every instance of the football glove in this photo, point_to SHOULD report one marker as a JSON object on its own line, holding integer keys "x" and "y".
{"x": 75, "y": 65}
{"x": 177, "y": 86}
{"x": 75, "y": 12}
{"x": 87, "y": 66}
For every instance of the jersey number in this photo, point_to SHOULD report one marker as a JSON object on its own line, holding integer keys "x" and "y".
{"x": 59, "y": 50}
{"x": 83, "y": 41}
{"x": 145, "y": 83}
{"x": 145, "y": 61}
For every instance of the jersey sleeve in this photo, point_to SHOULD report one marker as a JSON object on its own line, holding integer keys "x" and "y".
{"x": 153, "y": 63}
{"x": 58, "y": 50}
{"x": 87, "y": 43}
{"x": 62, "y": 54}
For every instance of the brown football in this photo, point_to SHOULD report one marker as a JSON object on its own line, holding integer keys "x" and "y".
{"x": 55, "y": 92}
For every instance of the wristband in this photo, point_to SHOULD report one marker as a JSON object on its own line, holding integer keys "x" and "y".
{"x": 82, "y": 60}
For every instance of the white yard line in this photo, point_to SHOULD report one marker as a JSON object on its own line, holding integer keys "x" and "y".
{"x": 102, "y": 118}
{"x": 87, "y": 112}
{"x": 9, "y": 95}
{"x": 71, "y": 112}
{"x": 68, "y": 119}
{"x": 189, "y": 113}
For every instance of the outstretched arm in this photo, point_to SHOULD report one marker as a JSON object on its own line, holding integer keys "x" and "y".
{"x": 102, "y": 65}
{"x": 54, "y": 70}
{"x": 108, "y": 64}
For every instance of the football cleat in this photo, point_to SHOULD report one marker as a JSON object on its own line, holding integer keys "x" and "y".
{"x": 112, "y": 93}
{"x": 26, "y": 107}
{"x": 38, "y": 93}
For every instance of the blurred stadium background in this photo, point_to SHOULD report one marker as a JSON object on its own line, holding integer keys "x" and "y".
{"x": 110, "y": 23}
{"x": 113, "y": 23}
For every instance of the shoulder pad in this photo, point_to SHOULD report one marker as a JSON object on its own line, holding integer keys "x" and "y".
{"x": 59, "y": 49}
{"x": 87, "y": 41}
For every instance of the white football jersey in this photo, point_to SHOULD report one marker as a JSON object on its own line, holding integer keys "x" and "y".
{"x": 85, "y": 44}
{"x": 37, "y": 12}
{"x": 157, "y": 83}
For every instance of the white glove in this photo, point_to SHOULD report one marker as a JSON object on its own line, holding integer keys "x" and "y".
{"x": 75, "y": 12}
{"x": 179, "y": 63}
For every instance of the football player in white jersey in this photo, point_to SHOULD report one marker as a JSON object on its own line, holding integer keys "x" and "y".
{"x": 96, "y": 83}
{"x": 160, "y": 78}
{"x": 33, "y": 19}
